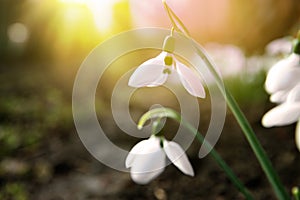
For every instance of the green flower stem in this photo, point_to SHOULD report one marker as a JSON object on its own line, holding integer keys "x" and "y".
{"x": 248, "y": 131}
{"x": 173, "y": 18}
{"x": 240, "y": 117}
{"x": 166, "y": 112}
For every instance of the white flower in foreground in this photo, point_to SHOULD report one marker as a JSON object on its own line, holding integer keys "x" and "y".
{"x": 286, "y": 113}
{"x": 283, "y": 83}
{"x": 147, "y": 159}
{"x": 284, "y": 75}
{"x": 155, "y": 71}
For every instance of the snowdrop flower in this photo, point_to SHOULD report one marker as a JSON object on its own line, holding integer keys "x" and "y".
{"x": 284, "y": 75}
{"x": 279, "y": 46}
{"x": 147, "y": 159}
{"x": 283, "y": 83}
{"x": 286, "y": 113}
{"x": 154, "y": 72}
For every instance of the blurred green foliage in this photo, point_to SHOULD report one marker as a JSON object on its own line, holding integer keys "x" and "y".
{"x": 248, "y": 89}
{"x": 14, "y": 191}
{"x": 24, "y": 121}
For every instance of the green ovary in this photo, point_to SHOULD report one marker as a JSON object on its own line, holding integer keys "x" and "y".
{"x": 168, "y": 60}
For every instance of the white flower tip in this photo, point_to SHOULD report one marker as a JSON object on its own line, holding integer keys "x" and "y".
{"x": 178, "y": 157}
{"x": 190, "y": 172}
{"x": 281, "y": 115}
{"x": 200, "y": 93}
{"x": 184, "y": 166}
{"x": 266, "y": 121}
{"x": 141, "y": 179}
{"x": 269, "y": 87}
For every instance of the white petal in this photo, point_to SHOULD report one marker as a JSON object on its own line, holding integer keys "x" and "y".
{"x": 297, "y": 137}
{"x": 147, "y": 167}
{"x": 279, "y": 97}
{"x": 178, "y": 157}
{"x": 145, "y": 177}
{"x": 149, "y": 75}
{"x": 281, "y": 115}
{"x": 160, "y": 59}
{"x": 134, "y": 151}
{"x": 282, "y": 79}
{"x": 283, "y": 75}
{"x": 191, "y": 82}
{"x": 279, "y": 46}
{"x": 149, "y": 162}
{"x": 294, "y": 95}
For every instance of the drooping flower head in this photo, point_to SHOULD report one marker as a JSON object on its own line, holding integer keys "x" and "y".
{"x": 283, "y": 83}
{"x": 147, "y": 159}
{"x": 154, "y": 72}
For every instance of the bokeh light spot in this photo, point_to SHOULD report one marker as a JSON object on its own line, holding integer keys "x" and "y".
{"x": 18, "y": 33}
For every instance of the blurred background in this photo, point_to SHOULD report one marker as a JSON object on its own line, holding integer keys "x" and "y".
{"x": 43, "y": 43}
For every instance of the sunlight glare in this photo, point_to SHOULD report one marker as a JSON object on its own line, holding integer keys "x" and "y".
{"x": 102, "y": 11}
{"x": 73, "y": 1}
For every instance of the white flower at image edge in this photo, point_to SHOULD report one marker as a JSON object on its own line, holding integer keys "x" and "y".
{"x": 286, "y": 113}
{"x": 147, "y": 159}
{"x": 282, "y": 77}
{"x": 154, "y": 72}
